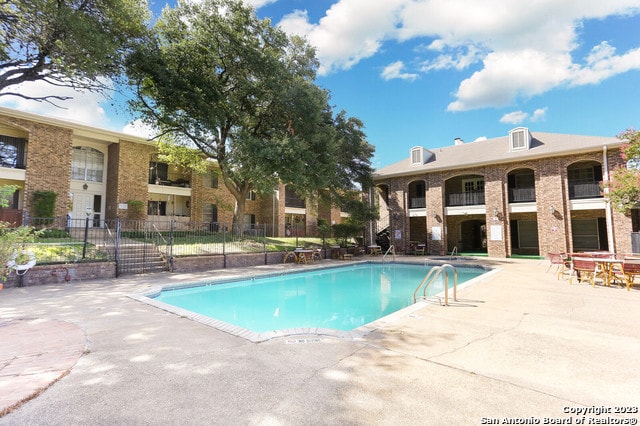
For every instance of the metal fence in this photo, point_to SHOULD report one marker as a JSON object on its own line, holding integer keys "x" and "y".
{"x": 143, "y": 246}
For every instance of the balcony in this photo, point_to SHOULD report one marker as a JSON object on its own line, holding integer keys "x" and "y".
{"x": 584, "y": 190}
{"x": 522, "y": 195}
{"x": 417, "y": 203}
{"x": 294, "y": 201}
{"x": 465, "y": 199}
{"x": 169, "y": 179}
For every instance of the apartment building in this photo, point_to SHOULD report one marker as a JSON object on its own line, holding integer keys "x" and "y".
{"x": 96, "y": 173}
{"x": 525, "y": 193}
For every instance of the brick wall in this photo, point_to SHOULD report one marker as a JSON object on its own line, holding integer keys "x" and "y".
{"x": 551, "y": 186}
{"x": 130, "y": 169}
{"x": 48, "y": 161}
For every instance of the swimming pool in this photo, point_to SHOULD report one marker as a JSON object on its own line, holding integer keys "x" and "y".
{"x": 341, "y": 298}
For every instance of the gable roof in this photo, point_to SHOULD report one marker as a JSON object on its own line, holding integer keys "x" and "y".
{"x": 496, "y": 151}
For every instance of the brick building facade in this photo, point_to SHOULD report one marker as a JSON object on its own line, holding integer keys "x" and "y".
{"x": 520, "y": 194}
{"x": 97, "y": 173}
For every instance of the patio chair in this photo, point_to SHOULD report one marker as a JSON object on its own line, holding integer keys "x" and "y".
{"x": 585, "y": 268}
{"x": 629, "y": 270}
{"x": 289, "y": 256}
{"x": 317, "y": 255}
{"x": 561, "y": 262}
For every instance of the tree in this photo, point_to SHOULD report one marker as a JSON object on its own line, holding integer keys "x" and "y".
{"x": 624, "y": 184}
{"x": 69, "y": 43}
{"x": 242, "y": 92}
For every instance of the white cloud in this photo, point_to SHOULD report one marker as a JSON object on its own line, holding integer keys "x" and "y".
{"x": 458, "y": 60}
{"x": 519, "y": 48}
{"x": 515, "y": 117}
{"x": 518, "y": 117}
{"x": 84, "y": 107}
{"x": 351, "y": 31}
{"x": 538, "y": 115}
{"x": 394, "y": 70}
{"x": 603, "y": 63}
{"x": 141, "y": 129}
{"x": 257, "y": 4}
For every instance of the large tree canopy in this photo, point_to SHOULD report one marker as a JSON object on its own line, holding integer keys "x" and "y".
{"x": 69, "y": 43}
{"x": 242, "y": 91}
{"x": 624, "y": 185}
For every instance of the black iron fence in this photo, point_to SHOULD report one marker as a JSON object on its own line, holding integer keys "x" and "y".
{"x": 143, "y": 246}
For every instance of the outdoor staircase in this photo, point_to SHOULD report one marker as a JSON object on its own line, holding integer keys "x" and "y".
{"x": 140, "y": 259}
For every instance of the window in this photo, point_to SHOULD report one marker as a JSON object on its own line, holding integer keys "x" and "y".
{"x": 473, "y": 185}
{"x": 211, "y": 179}
{"x": 519, "y": 139}
{"x": 87, "y": 164}
{"x": 583, "y": 175}
{"x": 585, "y": 234}
{"x": 528, "y": 233}
{"x": 416, "y": 156}
{"x": 158, "y": 172}
{"x": 420, "y": 156}
{"x": 157, "y": 208}
{"x": 249, "y": 221}
{"x": 12, "y": 152}
{"x": 251, "y": 196}
{"x": 210, "y": 213}
{"x": 524, "y": 180}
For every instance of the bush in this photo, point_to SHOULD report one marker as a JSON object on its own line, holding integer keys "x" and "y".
{"x": 44, "y": 205}
{"x": 346, "y": 231}
{"x": 135, "y": 210}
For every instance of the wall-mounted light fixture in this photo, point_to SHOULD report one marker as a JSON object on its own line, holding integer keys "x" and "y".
{"x": 85, "y": 186}
{"x": 495, "y": 212}
{"x": 552, "y": 209}
{"x": 435, "y": 215}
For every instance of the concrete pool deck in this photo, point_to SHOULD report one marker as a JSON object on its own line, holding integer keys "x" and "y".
{"x": 519, "y": 344}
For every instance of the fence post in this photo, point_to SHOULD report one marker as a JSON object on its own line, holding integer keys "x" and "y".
{"x": 86, "y": 236}
{"x": 264, "y": 242}
{"x": 117, "y": 249}
{"x": 224, "y": 245}
{"x": 170, "y": 251}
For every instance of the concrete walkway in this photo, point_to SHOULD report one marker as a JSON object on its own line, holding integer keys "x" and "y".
{"x": 517, "y": 345}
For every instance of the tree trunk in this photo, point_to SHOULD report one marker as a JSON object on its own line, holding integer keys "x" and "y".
{"x": 238, "y": 213}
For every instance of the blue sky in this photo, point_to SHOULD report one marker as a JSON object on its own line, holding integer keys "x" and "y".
{"x": 424, "y": 72}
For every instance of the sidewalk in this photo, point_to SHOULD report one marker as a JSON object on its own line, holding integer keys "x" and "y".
{"x": 519, "y": 344}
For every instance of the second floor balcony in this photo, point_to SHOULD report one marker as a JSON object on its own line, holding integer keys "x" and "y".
{"x": 417, "y": 203}
{"x": 522, "y": 195}
{"x": 584, "y": 190}
{"x": 294, "y": 201}
{"x": 474, "y": 198}
{"x": 169, "y": 179}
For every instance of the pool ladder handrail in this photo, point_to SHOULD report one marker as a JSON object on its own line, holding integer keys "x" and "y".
{"x": 436, "y": 271}
{"x": 391, "y": 249}
{"x": 453, "y": 252}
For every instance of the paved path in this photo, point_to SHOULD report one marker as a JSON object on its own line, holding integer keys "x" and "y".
{"x": 517, "y": 345}
{"x": 33, "y": 355}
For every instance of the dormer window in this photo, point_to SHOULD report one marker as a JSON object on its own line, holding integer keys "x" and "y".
{"x": 420, "y": 156}
{"x": 519, "y": 139}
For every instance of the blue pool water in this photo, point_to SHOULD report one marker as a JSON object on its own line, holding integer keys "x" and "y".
{"x": 341, "y": 298}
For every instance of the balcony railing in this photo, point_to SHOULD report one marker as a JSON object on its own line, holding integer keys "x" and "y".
{"x": 417, "y": 203}
{"x": 585, "y": 190}
{"x": 522, "y": 195}
{"x": 171, "y": 179}
{"x": 465, "y": 199}
{"x": 296, "y": 202}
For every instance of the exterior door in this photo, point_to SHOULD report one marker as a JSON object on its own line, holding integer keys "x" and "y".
{"x": 83, "y": 203}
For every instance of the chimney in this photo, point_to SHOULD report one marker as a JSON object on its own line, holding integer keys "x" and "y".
{"x": 458, "y": 141}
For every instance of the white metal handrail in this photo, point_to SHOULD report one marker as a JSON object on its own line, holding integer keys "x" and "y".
{"x": 454, "y": 251}
{"x": 436, "y": 271}
{"x": 392, "y": 250}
